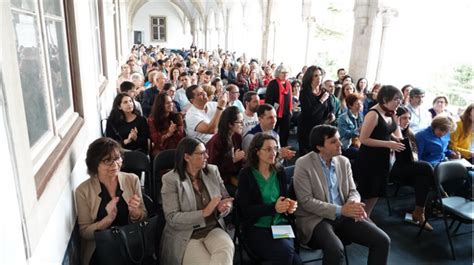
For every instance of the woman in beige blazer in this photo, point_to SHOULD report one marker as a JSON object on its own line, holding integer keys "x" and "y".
{"x": 195, "y": 202}
{"x": 108, "y": 198}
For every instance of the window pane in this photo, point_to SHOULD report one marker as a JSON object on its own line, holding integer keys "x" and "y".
{"x": 59, "y": 65}
{"x": 154, "y": 21}
{"x": 32, "y": 77}
{"x": 52, "y": 7}
{"x": 23, "y": 4}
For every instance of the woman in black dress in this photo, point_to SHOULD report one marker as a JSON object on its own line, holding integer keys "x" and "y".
{"x": 379, "y": 134}
{"x": 315, "y": 107}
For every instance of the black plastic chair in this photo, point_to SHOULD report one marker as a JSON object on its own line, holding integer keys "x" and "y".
{"x": 139, "y": 164}
{"x": 239, "y": 237}
{"x": 162, "y": 162}
{"x": 452, "y": 175}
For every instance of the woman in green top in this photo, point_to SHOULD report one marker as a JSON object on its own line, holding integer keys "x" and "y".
{"x": 263, "y": 197}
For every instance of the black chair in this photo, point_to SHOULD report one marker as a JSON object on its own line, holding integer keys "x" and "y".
{"x": 239, "y": 237}
{"x": 451, "y": 178}
{"x": 298, "y": 246}
{"x": 162, "y": 162}
{"x": 139, "y": 164}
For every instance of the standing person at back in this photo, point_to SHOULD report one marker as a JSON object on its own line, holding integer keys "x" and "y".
{"x": 379, "y": 134}
{"x": 280, "y": 97}
{"x": 316, "y": 108}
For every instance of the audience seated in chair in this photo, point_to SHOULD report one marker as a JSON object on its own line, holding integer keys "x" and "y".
{"x": 166, "y": 126}
{"x": 349, "y": 124}
{"x": 203, "y": 116}
{"x": 126, "y": 125}
{"x": 264, "y": 201}
{"x": 225, "y": 147}
{"x": 194, "y": 203}
{"x": 432, "y": 142}
{"x": 329, "y": 204}
{"x": 407, "y": 169}
{"x": 267, "y": 118}
{"x": 96, "y": 209}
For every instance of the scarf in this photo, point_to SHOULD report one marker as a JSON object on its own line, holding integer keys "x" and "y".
{"x": 388, "y": 113}
{"x": 284, "y": 90}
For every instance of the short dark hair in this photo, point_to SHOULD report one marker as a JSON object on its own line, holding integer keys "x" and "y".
{"x": 340, "y": 69}
{"x": 99, "y": 150}
{"x": 387, "y": 93}
{"x": 319, "y": 134}
{"x": 190, "y": 91}
{"x": 167, "y": 86}
{"x": 126, "y": 86}
{"x": 262, "y": 108}
{"x": 256, "y": 144}
{"x": 248, "y": 97}
{"x": 184, "y": 74}
{"x": 208, "y": 72}
{"x": 187, "y": 145}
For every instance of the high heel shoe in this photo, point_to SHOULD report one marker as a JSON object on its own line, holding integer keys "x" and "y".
{"x": 419, "y": 218}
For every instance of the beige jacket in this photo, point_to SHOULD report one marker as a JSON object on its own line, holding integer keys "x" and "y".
{"x": 312, "y": 192}
{"x": 87, "y": 206}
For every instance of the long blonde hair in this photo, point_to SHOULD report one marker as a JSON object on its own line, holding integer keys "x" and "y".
{"x": 466, "y": 119}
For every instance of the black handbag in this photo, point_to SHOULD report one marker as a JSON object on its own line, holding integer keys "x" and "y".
{"x": 131, "y": 244}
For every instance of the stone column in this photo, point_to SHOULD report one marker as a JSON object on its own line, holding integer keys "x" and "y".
{"x": 387, "y": 14}
{"x": 267, "y": 13}
{"x": 364, "y": 47}
{"x": 309, "y": 26}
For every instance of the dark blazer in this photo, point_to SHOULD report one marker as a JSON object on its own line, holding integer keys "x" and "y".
{"x": 272, "y": 96}
{"x": 250, "y": 197}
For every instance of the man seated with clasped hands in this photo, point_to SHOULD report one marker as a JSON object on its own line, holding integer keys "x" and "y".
{"x": 329, "y": 204}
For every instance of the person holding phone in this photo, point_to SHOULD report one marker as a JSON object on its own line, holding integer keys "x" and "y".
{"x": 315, "y": 107}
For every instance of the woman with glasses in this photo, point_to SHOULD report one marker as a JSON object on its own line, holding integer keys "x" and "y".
{"x": 264, "y": 202}
{"x": 379, "y": 134}
{"x": 108, "y": 198}
{"x": 439, "y": 107}
{"x": 126, "y": 126}
{"x": 194, "y": 203}
{"x": 225, "y": 147}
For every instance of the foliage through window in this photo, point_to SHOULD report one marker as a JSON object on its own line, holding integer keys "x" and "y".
{"x": 158, "y": 29}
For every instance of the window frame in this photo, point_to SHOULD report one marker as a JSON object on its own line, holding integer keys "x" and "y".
{"x": 50, "y": 149}
{"x": 152, "y": 26}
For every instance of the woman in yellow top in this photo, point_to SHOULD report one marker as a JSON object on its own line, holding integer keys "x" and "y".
{"x": 462, "y": 139}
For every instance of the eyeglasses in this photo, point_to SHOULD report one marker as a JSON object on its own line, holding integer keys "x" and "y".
{"x": 239, "y": 122}
{"x": 271, "y": 149}
{"x": 201, "y": 153}
{"x": 235, "y": 92}
{"x": 201, "y": 94}
{"x": 110, "y": 161}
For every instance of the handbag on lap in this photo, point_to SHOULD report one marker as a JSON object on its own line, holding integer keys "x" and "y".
{"x": 131, "y": 244}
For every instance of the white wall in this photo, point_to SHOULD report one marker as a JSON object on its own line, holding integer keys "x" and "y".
{"x": 175, "y": 34}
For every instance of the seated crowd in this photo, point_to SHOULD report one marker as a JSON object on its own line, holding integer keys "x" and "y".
{"x": 232, "y": 141}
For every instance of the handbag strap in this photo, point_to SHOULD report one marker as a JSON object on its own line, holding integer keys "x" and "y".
{"x": 123, "y": 238}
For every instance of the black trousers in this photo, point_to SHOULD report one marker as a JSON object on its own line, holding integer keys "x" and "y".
{"x": 327, "y": 236}
{"x": 273, "y": 251}
{"x": 418, "y": 174}
{"x": 283, "y": 128}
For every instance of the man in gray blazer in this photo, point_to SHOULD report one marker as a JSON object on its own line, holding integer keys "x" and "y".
{"x": 329, "y": 204}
